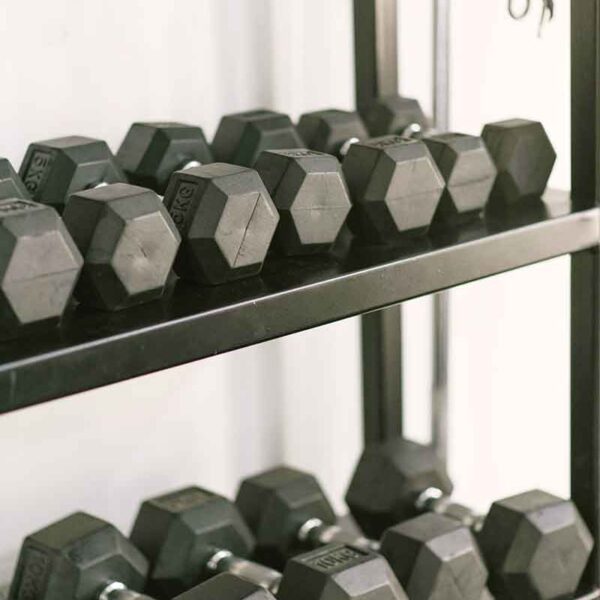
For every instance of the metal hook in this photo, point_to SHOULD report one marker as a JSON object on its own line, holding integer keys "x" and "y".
{"x": 547, "y": 12}
{"x": 514, "y": 14}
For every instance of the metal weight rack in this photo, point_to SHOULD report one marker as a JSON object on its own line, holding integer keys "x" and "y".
{"x": 93, "y": 349}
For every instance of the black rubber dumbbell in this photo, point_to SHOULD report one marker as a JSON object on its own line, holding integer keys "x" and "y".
{"x": 11, "y": 185}
{"x": 433, "y": 556}
{"x": 332, "y": 130}
{"x": 82, "y": 557}
{"x": 394, "y": 114}
{"x": 79, "y": 557}
{"x": 311, "y": 195}
{"x": 524, "y": 157}
{"x": 241, "y": 137}
{"x": 152, "y": 152}
{"x": 226, "y": 586}
{"x": 395, "y": 187}
{"x": 39, "y": 262}
{"x": 128, "y": 241}
{"x": 193, "y": 534}
{"x": 535, "y": 544}
{"x": 54, "y": 169}
{"x": 226, "y": 218}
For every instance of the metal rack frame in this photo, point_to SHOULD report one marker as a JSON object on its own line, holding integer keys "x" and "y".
{"x": 94, "y": 349}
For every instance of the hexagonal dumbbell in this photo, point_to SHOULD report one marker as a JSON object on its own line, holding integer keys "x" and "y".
{"x": 193, "y": 534}
{"x": 432, "y": 556}
{"x": 395, "y": 187}
{"x": 226, "y": 586}
{"x": 79, "y": 558}
{"x": 524, "y": 157}
{"x": 332, "y": 131}
{"x": 82, "y": 557}
{"x": 54, "y": 169}
{"x": 469, "y": 173}
{"x": 226, "y": 218}
{"x": 535, "y": 544}
{"x": 241, "y": 137}
{"x": 394, "y": 114}
{"x": 311, "y": 196}
{"x": 11, "y": 185}
{"x": 128, "y": 242}
{"x": 39, "y": 263}
{"x": 151, "y": 152}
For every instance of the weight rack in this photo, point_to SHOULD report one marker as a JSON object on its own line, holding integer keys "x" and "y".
{"x": 93, "y": 349}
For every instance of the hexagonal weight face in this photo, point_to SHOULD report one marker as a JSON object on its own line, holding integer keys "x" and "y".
{"x": 311, "y": 196}
{"x": 54, "y": 169}
{"x": 275, "y": 504}
{"x": 395, "y": 188}
{"x": 469, "y": 173}
{"x": 331, "y": 130}
{"x": 39, "y": 266}
{"x": 387, "y": 481}
{"x": 226, "y": 218}
{"x": 524, "y": 157}
{"x": 339, "y": 572}
{"x": 536, "y": 546}
{"x": 226, "y": 587}
{"x": 435, "y": 557}
{"x": 241, "y": 137}
{"x": 394, "y": 115}
{"x": 181, "y": 531}
{"x": 152, "y": 152}
{"x": 128, "y": 242}
{"x": 73, "y": 558}
{"x": 11, "y": 185}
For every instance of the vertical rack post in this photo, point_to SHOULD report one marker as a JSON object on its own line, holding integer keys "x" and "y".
{"x": 376, "y": 66}
{"x": 585, "y": 276}
{"x": 441, "y": 301}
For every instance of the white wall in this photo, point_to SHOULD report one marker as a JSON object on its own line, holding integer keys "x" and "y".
{"x": 89, "y": 67}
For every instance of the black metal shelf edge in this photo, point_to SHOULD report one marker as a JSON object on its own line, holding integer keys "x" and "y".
{"x": 93, "y": 349}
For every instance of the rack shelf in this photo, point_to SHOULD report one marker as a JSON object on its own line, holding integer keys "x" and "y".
{"x": 93, "y": 349}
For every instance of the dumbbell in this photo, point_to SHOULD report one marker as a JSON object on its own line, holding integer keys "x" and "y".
{"x": 394, "y": 186}
{"x": 241, "y": 137}
{"x": 332, "y": 130}
{"x": 39, "y": 260}
{"x": 152, "y": 152}
{"x": 535, "y": 544}
{"x": 127, "y": 239}
{"x": 226, "y": 219}
{"x": 394, "y": 114}
{"x": 193, "y": 534}
{"x": 524, "y": 157}
{"x": 79, "y": 557}
{"x": 307, "y": 188}
{"x": 82, "y": 557}
{"x": 54, "y": 169}
{"x": 311, "y": 195}
{"x": 432, "y": 556}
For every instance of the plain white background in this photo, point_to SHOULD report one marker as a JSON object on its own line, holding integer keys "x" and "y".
{"x": 89, "y": 67}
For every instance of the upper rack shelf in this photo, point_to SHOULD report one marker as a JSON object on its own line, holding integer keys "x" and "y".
{"x": 93, "y": 349}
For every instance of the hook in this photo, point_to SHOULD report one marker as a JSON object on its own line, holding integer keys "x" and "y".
{"x": 547, "y": 12}
{"x": 513, "y": 13}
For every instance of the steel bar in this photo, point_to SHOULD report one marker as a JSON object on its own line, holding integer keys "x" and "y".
{"x": 585, "y": 276}
{"x": 441, "y": 302}
{"x": 376, "y": 66}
